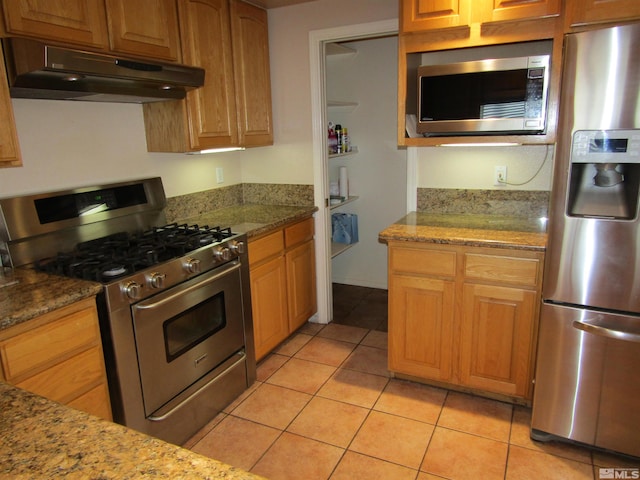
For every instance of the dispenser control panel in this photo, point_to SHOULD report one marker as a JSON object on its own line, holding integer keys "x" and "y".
{"x": 606, "y": 146}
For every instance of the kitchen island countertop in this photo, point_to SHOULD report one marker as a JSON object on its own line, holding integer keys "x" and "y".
{"x": 522, "y": 233}
{"x": 43, "y": 439}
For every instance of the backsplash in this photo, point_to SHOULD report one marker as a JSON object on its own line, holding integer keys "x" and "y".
{"x": 522, "y": 203}
{"x": 194, "y": 204}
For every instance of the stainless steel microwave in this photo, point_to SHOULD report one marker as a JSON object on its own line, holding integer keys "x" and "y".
{"x": 502, "y": 96}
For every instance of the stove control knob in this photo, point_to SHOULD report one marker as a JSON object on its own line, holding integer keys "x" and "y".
{"x": 156, "y": 279}
{"x": 132, "y": 290}
{"x": 192, "y": 265}
{"x": 237, "y": 247}
{"x": 222, "y": 253}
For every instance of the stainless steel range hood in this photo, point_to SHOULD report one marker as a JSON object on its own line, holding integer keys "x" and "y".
{"x": 38, "y": 70}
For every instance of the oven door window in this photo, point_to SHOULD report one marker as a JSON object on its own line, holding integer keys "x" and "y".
{"x": 185, "y": 331}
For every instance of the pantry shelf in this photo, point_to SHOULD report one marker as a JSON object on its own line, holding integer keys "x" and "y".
{"x": 350, "y": 199}
{"x": 345, "y": 154}
{"x": 343, "y": 106}
{"x": 338, "y": 248}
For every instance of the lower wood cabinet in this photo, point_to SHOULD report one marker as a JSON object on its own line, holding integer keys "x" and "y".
{"x": 59, "y": 356}
{"x": 283, "y": 283}
{"x": 465, "y": 317}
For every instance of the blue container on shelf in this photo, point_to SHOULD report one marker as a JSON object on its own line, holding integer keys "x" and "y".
{"x": 344, "y": 228}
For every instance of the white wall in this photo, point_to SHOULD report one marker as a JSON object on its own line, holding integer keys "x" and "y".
{"x": 473, "y": 167}
{"x": 378, "y": 172}
{"x": 70, "y": 144}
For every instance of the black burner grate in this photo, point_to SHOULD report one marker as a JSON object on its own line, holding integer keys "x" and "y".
{"x": 115, "y": 256}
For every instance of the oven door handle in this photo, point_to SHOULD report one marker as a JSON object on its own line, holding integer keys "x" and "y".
{"x": 172, "y": 297}
{"x": 597, "y": 326}
{"x": 167, "y": 414}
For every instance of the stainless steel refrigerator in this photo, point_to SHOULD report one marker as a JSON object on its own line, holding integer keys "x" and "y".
{"x": 587, "y": 381}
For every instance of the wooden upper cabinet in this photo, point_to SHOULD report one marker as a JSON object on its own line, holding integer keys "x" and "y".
{"x": 229, "y": 39}
{"x": 9, "y": 148}
{"x": 585, "y": 12}
{"x": 420, "y": 15}
{"x": 144, "y": 27}
{"x": 507, "y": 10}
{"x": 250, "y": 40}
{"x": 206, "y": 42}
{"x": 80, "y": 22}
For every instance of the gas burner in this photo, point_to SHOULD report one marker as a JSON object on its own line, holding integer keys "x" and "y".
{"x": 114, "y": 256}
{"x": 114, "y": 271}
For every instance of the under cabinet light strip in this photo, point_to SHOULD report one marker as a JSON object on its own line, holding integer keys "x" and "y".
{"x": 500, "y": 144}
{"x": 216, "y": 150}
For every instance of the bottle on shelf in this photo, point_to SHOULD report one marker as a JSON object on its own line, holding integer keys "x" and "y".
{"x": 333, "y": 139}
{"x": 339, "y": 139}
{"x": 346, "y": 144}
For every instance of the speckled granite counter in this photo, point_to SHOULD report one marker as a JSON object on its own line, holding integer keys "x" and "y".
{"x": 472, "y": 230}
{"x": 254, "y": 220}
{"x": 38, "y": 293}
{"x": 41, "y": 439}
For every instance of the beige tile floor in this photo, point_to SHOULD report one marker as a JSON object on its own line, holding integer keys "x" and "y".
{"x": 325, "y": 407}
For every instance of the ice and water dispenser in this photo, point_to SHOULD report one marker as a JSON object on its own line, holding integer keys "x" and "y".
{"x": 604, "y": 179}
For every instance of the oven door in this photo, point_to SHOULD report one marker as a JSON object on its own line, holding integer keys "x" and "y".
{"x": 183, "y": 333}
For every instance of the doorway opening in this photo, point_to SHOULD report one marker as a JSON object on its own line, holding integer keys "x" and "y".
{"x": 357, "y": 89}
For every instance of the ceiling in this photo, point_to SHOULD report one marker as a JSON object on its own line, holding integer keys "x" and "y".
{"x": 277, "y": 3}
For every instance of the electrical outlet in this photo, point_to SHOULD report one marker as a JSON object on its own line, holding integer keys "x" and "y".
{"x": 500, "y": 176}
{"x": 219, "y": 175}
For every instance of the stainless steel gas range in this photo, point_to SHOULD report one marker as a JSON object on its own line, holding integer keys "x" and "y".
{"x": 175, "y": 308}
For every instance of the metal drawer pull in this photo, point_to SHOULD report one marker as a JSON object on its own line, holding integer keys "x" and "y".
{"x": 605, "y": 331}
{"x": 165, "y": 415}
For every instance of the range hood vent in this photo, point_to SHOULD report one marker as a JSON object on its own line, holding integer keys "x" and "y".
{"x": 38, "y": 70}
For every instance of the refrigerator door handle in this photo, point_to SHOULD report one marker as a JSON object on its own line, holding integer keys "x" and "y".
{"x": 597, "y": 326}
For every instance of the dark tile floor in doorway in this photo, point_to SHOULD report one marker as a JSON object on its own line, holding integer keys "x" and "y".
{"x": 326, "y": 407}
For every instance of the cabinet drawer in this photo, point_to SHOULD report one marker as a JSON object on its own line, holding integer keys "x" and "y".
{"x": 265, "y": 247}
{"x": 38, "y": 348}
{"x": 298, "y": 233}
{"x": 69, "y": 379}
{"x": 502, "y": 269}
{"x": 423, "y": 261}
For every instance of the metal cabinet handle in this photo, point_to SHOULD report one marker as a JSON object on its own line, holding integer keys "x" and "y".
{"x": 218, "y": 274}
{"x": 597, "y": 328}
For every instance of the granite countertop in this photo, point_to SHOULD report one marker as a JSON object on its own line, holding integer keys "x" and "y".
{"x": 43, "y": 439}
{"x": 522, "y": 233}
{"x": 252, "y": 219}
{"x": 38, "y": 293}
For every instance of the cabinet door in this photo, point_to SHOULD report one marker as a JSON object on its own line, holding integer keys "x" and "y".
{"x": 584, "y": 12}
{"x": 420, "y": 15}
{"x": 301, "y": 281}
{"x": 496, "y": 341}
{"x": 59, "y": 357}
{"x": 9, "y": 148}
{"x": 505, "y": 10}
{"x": 80, "y": 22}
{"x": 250, "y": 40}
{"x": 421, "y": 315}
{"x": 206, "y": 42}
{"x": 269, "y": 305}
{"x": 148, "y": 28}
